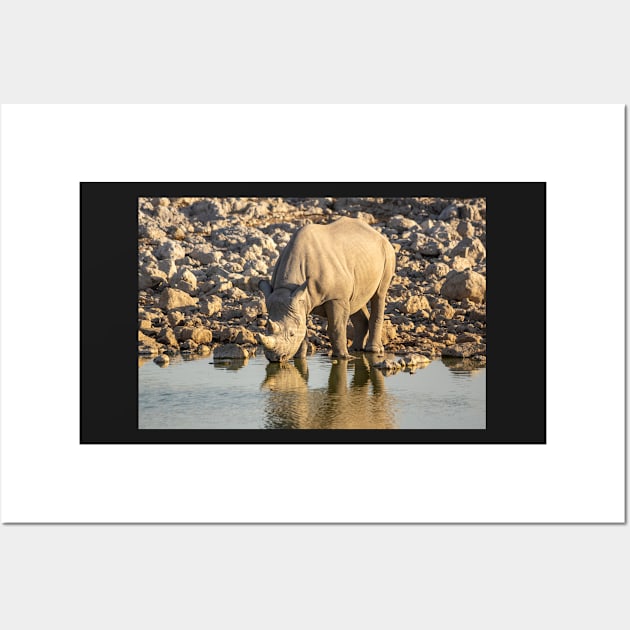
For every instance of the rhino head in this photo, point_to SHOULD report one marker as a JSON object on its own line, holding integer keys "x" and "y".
{"x": 288, "y": 309}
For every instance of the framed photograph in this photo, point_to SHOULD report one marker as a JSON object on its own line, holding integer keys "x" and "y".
{"x": 144, "y": 251}
{"x": 332, "y": 312}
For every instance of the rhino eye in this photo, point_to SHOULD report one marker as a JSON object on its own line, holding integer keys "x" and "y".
{"x": 292, "y": 334}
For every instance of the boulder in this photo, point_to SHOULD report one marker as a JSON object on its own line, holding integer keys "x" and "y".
{"x": 206, "y": 254}
{"x": 185, "y": 280}
{"x": 471, "y": 248}
{"x": 169, "y": 249}
{"x": 459, "y": 263}
{"x": 450, "y": 212}
{"x": 436, "y": 270}
{"x": 400, "y": 223}
{"x": 212, "y": 306}
{"x": 426, "y": 245}
{"x": 464, "y": 350}
{"x": 230, "y": 351}
{"x": 168, "y": 338}
{"x": 464, "y": 284}
{"x": 444, "y": 233}
{"x": 175, "y": 298}
{"x": 416, "y": 361}
{"x": 468, "y": 337}
{"x": 389, "y": 332}
{"x": 447, "y": 311}
{"x": 414, "y": 304}
{"x": 168, "y": 267}
{"x": 253, "y": 309}
{"x": 206, "y": 210}
{"x": 465, "y": 229}
{"x": 177, "y": 234}
{"x": 175, "y": 318}
{"x": 151, "y": 278}
{"x": 245, "y": 336}
{"x": 198, "y": 335}
{"x": 470, "y": 212}
{"x": 146, "y": 345}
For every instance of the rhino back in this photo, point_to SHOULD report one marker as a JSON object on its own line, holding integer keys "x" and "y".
{"x": 347, "y": 259}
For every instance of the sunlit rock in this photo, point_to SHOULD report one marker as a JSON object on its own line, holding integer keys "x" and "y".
{"x": 463, "y": 350}
{"x": 230, "y": 351}
{"x": 174, "y": 298}
{"x": 464, "y": 284}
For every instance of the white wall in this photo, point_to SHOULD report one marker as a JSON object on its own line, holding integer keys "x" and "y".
{"x": 168, "y": 576}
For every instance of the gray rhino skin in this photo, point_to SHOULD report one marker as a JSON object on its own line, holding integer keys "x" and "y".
{"x": 333, "y": 271}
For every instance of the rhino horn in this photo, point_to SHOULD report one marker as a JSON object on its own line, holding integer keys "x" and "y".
{"x": 275, "y": 328}
{"x": 267, "y": 342}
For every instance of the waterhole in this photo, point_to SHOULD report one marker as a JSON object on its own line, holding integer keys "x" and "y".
{"x": 318, "y": 392}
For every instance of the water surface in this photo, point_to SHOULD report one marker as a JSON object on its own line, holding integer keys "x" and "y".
{"x": 315, "y": 393}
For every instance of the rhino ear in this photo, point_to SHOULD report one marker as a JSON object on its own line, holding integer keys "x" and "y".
{"x": 265, "y": 287}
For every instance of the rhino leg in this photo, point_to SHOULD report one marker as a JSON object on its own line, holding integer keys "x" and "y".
{"x": 303, "y": 350}
{"x": 375, "y": 338}
{"x": 377, "y": 308}
{"x": 337, "y": 313}
{"x": 377, "y": 317}
{"x": 360, "y": 325}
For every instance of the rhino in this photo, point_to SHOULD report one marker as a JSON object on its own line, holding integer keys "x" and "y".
{"x": 333, "y": 271}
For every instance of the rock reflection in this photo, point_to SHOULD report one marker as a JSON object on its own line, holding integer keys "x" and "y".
{"x": 229, "y": 364}
{"x": 361, "y": 404}
{"x": 464, "y": 367}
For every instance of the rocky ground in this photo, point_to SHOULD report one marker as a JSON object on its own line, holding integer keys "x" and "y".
{"x": 200, "y": 260}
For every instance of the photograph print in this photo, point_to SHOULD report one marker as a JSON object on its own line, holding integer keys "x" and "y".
{"x": 315, "y": 318}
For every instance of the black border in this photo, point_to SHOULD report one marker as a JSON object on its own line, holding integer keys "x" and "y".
{"x": 516, "y": 321}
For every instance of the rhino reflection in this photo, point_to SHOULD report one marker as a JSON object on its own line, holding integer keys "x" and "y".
{"x": 362, "y": 404}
